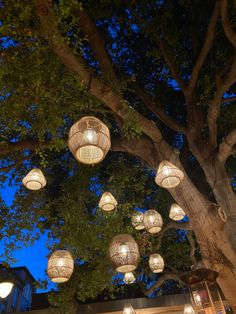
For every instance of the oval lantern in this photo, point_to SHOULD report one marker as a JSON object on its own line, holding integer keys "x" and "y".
{"x": 176, "y": 212}
{"x": 156, "y": 263}
{"x": 168, "y": 175}
{"x": 129, "y": 278}
{"x": 124, "y": 253}
{"x": 89, "y": 140}
{"x": 60, "y": 266}
{"x": 34, "y": 180}
{"x": 152, "y": 221}
{"x": 137, "y": 221}
{"x": 128, "y": 309}
{"x": 107, "y": 202}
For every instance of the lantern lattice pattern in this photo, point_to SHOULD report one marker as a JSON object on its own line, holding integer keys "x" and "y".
{"x": 156, "y": 263}
{"x": 204, "y": 291}
{"x": 168, "y": 175}
{"x": 124, "y": 253}
{"x": 34, "y": 180}
{"x": 107, "y": 202}
{"x": 188, "y": 309}
{"x": 60, "y": 266}
{"x": 129, "y": 278}
{"x": 176, "y": 212}
{"x": 89, "y": 140}
{"x": 152, "y": 221}
{"x": 137, "y": 221}
{"x": 128, "y": 309}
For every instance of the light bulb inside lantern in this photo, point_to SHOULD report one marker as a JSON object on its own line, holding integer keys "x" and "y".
{"x": 123, "y": 249}
{"x": 5, "y": 289}
{"x": 166, "y": 171}
{"x": 188, "y": 309}
{"x": 90, "y": 136}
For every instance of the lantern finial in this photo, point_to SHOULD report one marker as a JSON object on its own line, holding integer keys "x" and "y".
{"x": 168, "y": 175}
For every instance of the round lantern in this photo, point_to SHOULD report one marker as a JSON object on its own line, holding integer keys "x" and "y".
{"x": 168, "y": 175}
{"x": 60, "y": 266}
{"x": 176, "y": 212}
{"x": 188, "y": 309}
{"x": 137, "y": 221}
{"x": 128, "y": 309}
{"x": 129, "y": 278}
{"x": 124, "y": 253}
{"x": 152, "y": 221}
{"x": 107, "y": 202}
{"x": 89, "y": 140}
{"x": 156, "y": 263}
{"x": 34, "y": 180}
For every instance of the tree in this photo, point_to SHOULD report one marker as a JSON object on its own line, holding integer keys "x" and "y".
{"x": 161, "y": 73}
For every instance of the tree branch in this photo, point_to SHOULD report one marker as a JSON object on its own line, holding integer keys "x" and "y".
{"x": 228, "y": 100}
{"x": 173, "y": 225}
{"x": 193, "y": 248}
{"x": 226, "y": 147}
{"x": 7, "y": 148}
{"x": 230, "y": 34}
{"x": 19, "y": 162}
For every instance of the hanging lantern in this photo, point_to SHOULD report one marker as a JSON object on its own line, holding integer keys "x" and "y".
{"x": 89, "y": 140}
{"x": 34, "y": 180}
{"x": 137, "y": 221}
{"x": 60, "y": 266}
{"x": 204, "y": 291}
{"x": 156, "y": 263}
{"x": 152, "y": 221}
{"x": 176, "y": 212}
{"x": 6, "y": 282}
{"x": 188, "y": 309}
{"x": 128, "y": 309}
{"x": 124, "y": 253}
{"x": 168, "y": 175}
{"x": 129, "y": 278}
{"x": 107, "y": 202}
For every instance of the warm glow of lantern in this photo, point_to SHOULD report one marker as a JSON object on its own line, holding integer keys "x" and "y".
{"x": 156, "y": 263}
{"x": 137, "y": 221}
{"x": 128, "y": 309}
{"x": 129, "y": 278}
{"x": 152, "y": 221}
{"x": 176, "y": 212}
{"x": 5, "y": 289}
{"x": 60, "y": 266}
{"x": 188, "y": 309}
{"x": 107, "y": 202}
{"x": 34, "y": 180}
{"x": 168, "y": 175}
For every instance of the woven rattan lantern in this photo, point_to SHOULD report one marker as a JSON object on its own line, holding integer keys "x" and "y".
{"x": 156, "y": 263}
{"x": 137, "y": 221}
{"x": 168, "y": 175}
{"x": 128, "y": 309}
{"x": 152, "y": 221}
{"x": 89, "y": 140}
{"x": 34, "y": 180}
{"x": 205, "y": 295}
{"x": 129, "y": 278}
{"x": 176, "y": 212}
{"x": 60, "y": 266}
{"x": 107, "y": 202}
{"x": 124, "y": 253}
{"x": 188, "y": 309}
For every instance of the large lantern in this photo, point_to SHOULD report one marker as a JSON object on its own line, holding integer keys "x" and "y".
{"x": 152, "y": 221}
{"x": 156, "y": 263}
{"x": 168, "y": 175}
{"x": 60, "y": 266}
{"x": 89, "y": 140}
{"x": 128, "y": 309}
{"x": 107, "y": 202}
{"x": 176, "y": 212}
{"x": 34, "y": 180}
{"x": 129, "y": 278}
{"x": 205, "y": 294}
{"x": 137, "y": 221}
{"x": 124, "y": 253}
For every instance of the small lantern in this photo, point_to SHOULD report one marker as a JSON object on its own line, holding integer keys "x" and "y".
{"x": 156, "y": 263}
{"x": 124, "y": 253}
{"x": 60, "y": 266}
{"x": 6, "y": 282}
{"x": 204, "y": 291}
{"x": 176, "y": 212}
{"x": 137, "y": 221}
{"x": 129, "y": 278}
{"x": 89, "y": 140}
{"x": 152, "y": 221}
{"x": 34, "y": 180}
{"x": 128, "y": 309}
{"x": 107, "y": 202}
{"x": 168, "y": 175}
{"x": 188, "y": 309}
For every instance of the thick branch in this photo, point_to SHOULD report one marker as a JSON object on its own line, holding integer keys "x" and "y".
{"x": 193, "y": 248}
{"x": 173, "y": 225}
{"x": 230, "y": 34}
{"x": 228, "y": 100}
{"x": 226, "y": 147}
{"x": 210, "y": 35}
{"x": 7, "y": 148}
{"x": 16, "y": 164}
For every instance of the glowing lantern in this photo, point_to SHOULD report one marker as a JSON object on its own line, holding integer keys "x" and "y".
{"x": 168, "y": 175}
{"x": 129, "y": 278}
{"x": 128, "y": 309}
{"x": 89, "y": 140}
{"x": 107, "y": 202}
{"x": 137, "y": 221}
{"x": 176, "y": 212}
{"x": 124, "y": 253}
{"x": 34, "y": 180}
{"x": 5, "y": 289}
{"x": 188, "y": 309}
{"x": 156, "y": 263}
{"x": 152, "y": 221}
{"x": 60, "y": 266}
